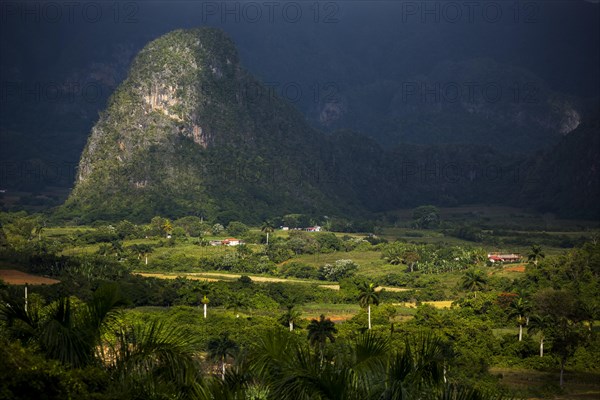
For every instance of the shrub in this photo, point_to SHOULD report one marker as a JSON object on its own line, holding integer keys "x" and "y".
{"x": 217, "y": 229}
{"x": 299, "y": 270}
{"x": 401, "y": 280}
{"x": 236, "y": 228}
{"x": 104, "y": 234}
{"x": 426, "y": 217}
{"x": 328, "y": 242}
{"x": 338, "y": 270}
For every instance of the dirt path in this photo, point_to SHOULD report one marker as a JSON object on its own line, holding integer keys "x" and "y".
{"x": 175, "y": 276}
{"x": 215, "y": 276}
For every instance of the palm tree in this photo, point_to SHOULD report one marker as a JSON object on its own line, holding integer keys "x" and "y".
{"x": 150, "y": 360}
{"x": 205, "y": 302}
{"x": 167, "y": 227}
{"x": 220, "y": 349}
{"x": 535, "y": 254}
{"x": 267, "y": 228}
{"x": 518, "y": 309}
{"x": 153, "y": 360}
{"x": 199, "y": 290}
{"x": 419, "y": 368}
{"x": 395, "y": 259}
{"x": 291, "y": 371}
{"x": 401, "y": 254}
{"x": 367, "y": 296}
{"x": 319, "y": 331}
{"x": 235, "y": 302}
{"x": 369, "y": 368}
{"x": 117, "y": 247}
{"x": 541, "y": 324}
{"x": 477, "y": 255}
{"x": 474, "y": 280}
{"x": 142, "y": 251}
{"x": 71, "y": 335}
{"x": 290, "y": 316}
{"x": 39, "y": 228}
{"x": 565, "y": 336}
{"x": 104, "y": 249}
{"x": 589, "y": 311}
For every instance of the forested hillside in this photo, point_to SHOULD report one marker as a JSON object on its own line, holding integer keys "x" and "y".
{"x": 191, "y": 132}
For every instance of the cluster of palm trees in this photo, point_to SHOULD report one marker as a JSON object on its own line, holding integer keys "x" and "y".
{"x": 154, "y": 360}
{"x": 564, "y": 327}
{"x": 430, "y": 259}
{"x": 116, "y": 249}
{"x": 370, "y": 367}
{"x": 140, "y": 359}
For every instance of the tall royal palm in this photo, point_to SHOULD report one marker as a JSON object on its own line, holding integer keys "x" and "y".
{"x": 366, "y": 297}
{"x": 220, "y": 349}
{"x": 540, "y": 324}
{"x": 319, "y": 331}
{"x": 291, "y": 315}
{"x": 518, "y": 309}
{"x": 267, "y": 227}
{"x": 205, "y": 302}
{"x": 142, "y": 251}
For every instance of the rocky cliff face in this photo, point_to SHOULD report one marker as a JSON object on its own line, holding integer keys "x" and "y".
{"x": 161, "y": 99}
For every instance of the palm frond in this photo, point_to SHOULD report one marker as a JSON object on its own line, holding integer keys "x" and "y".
{"x": 157, "y": 353}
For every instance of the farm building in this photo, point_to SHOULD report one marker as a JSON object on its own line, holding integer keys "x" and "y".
{"x": 226, "y": 242}
{"x": 504, "y": 257}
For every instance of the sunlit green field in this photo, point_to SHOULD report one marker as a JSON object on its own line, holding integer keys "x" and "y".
{"x": 336, "y": 311}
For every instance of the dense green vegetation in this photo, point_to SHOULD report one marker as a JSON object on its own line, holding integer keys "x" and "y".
{"x": 216, "y": 246}
{"x": 299, "y": 317}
